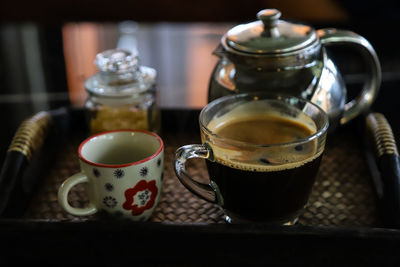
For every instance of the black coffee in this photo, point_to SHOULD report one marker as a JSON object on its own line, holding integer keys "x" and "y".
{"x": 264, "y": 190}
{"x": 264, "y": 196}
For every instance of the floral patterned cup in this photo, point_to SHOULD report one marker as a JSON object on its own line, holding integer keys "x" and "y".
{"x": 122, "y": 171}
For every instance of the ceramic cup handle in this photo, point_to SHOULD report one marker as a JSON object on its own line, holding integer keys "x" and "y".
{"x": 371, "y": 86}
{"x": 210, "y": 191}
{"x": 63, "y": 195}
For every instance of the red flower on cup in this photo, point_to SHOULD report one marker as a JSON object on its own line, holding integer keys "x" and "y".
{"x": 141, "y": 197}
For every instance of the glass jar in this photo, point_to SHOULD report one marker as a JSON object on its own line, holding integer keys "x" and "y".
{"x": 122, "y": 95}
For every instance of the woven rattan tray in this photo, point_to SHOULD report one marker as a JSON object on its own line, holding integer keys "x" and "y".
{"x": 342, "y": 195}
{"x": 341, "y": 214}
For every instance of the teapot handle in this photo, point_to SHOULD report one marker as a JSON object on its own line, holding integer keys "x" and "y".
{"x": 371, "y": 86}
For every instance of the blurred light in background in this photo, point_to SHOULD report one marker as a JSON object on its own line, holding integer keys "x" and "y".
{"x": 181, "y": 54}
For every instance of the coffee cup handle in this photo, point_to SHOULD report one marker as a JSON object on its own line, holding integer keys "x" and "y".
{"x": 210, "y": 191}
{"x": 63, "y": 191}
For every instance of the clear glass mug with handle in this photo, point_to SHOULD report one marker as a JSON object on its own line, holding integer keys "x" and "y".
{"x": 262, "y": 153}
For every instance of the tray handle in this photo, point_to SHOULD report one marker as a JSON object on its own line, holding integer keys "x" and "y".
{"x": 27, "y": 140}
{"x": 386, "y": 160}
{"x": 31, "y": 134}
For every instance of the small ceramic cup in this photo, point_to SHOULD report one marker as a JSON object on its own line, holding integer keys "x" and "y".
{"x": 122, "y": 171}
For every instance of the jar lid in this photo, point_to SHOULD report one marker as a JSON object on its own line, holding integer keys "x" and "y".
{"x": 117, "y": 61}
{"x": 120, "y": 74}
{"x": 270, "y": 35}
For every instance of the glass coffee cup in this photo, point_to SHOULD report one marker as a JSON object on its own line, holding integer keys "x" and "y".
{"x": 262, "y": 153}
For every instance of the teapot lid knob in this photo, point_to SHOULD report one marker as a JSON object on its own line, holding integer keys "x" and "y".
{"x": 269, "y": 17}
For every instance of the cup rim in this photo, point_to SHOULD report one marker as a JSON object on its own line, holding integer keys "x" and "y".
{"x": 81, "y": 157}
{"x": 277, "y": 96}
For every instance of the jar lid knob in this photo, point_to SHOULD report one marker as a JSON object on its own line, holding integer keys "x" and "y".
{"x": 117, "y": 61}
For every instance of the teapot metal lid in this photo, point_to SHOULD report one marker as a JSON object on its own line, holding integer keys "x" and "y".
{"x": 269, "y": 35}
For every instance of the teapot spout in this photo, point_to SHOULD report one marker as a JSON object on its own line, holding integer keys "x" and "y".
{"x": 219, "y": 51}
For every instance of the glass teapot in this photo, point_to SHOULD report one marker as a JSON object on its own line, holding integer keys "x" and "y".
{"x": 276, "y": 55}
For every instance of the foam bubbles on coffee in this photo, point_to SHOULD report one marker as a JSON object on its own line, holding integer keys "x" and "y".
{"x": 263, "y": 125}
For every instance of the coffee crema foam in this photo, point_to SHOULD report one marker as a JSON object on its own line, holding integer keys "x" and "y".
{"x": 262, "y": 167}
{"x": 251, "y": 123}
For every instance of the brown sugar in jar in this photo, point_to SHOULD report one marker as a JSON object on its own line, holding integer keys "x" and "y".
{"x": 122, "y": 95}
